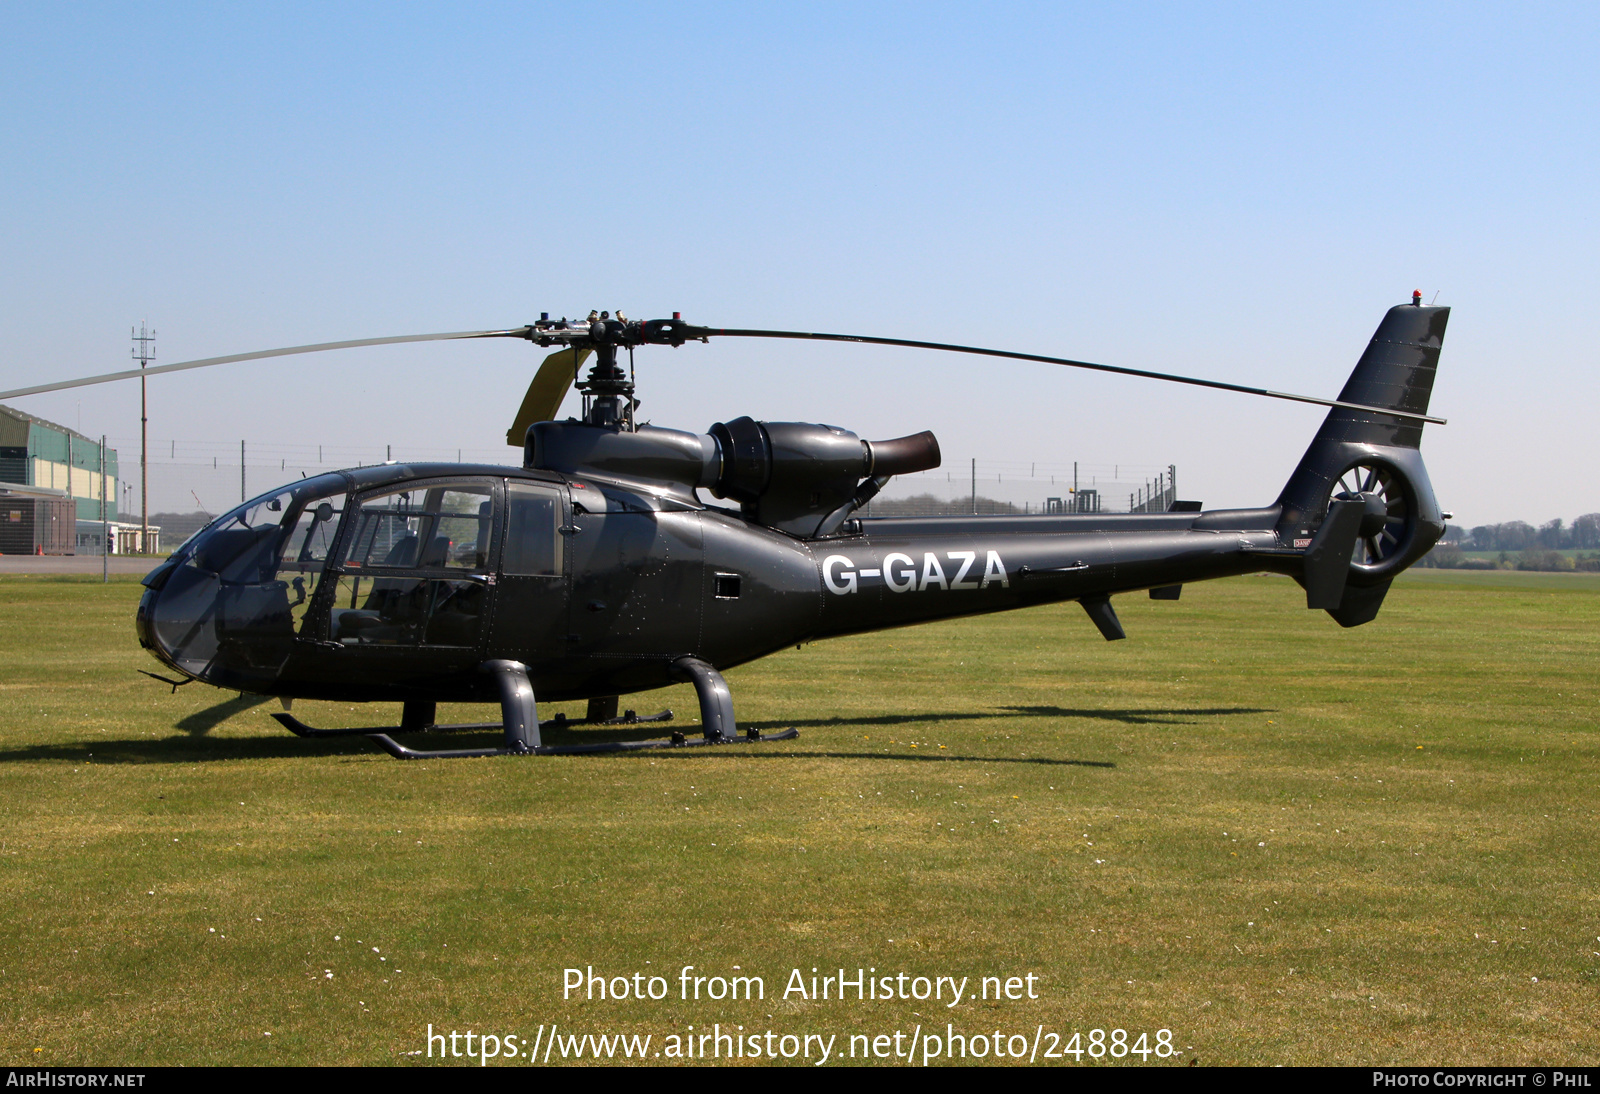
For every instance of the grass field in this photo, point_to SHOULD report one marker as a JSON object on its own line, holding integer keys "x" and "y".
{"x": 1284, "y": 842}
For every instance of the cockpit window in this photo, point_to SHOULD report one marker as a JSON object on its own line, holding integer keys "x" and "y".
{"x": 424, "y": 528}
{"x": 238, "y": 548}
{"x": 416, "y": 567}
{"x": 242, "y": 546}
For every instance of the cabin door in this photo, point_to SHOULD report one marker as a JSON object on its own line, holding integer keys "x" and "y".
{"x": 530, "y": 616}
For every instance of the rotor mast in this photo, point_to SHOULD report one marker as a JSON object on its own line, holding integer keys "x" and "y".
{"x": 607, "y": 390}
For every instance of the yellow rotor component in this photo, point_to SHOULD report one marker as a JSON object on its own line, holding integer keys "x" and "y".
{"x": 549, "y": 387}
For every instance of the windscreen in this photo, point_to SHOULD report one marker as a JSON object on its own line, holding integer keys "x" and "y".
{"x": 230, "y": 607}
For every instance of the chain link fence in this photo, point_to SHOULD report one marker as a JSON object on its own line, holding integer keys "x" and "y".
{"x": 1003, "y": 487}
{"x": 193, "y": 481}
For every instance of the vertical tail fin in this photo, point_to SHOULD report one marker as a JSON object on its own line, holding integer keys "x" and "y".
{"x": 1367, "y": 453}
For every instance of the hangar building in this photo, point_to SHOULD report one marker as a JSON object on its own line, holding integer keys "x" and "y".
{"x": 50, "y": 490}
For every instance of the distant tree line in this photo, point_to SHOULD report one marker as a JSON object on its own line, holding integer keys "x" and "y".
{"x": 1517, "y": 545}
{"x": 1582, "y": 534}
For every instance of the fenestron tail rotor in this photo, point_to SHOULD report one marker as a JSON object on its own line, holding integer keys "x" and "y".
{"x": 1390, "y": 524}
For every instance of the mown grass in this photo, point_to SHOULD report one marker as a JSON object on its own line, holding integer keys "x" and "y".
{"x": 1282, "y": 841}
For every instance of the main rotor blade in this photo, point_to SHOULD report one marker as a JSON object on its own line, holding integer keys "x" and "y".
{"x": 128, "y": 374}
{"x": 1217, "y": 384}
{"x": 548, "y": 387}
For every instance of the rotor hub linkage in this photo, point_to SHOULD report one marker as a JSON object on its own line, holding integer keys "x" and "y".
{"x": 601, "y": 330}
{"x": 610, "y": 386}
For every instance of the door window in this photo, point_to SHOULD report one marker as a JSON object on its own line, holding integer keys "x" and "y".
{"x": 533, "y": 540}
{"x": 415, "y": 571}
{"x": 424, "y": 528}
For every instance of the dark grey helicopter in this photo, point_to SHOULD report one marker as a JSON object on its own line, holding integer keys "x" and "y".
{"x": 596, "y": 570}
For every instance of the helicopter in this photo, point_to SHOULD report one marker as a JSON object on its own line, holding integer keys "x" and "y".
{"x": 597, "y": 569}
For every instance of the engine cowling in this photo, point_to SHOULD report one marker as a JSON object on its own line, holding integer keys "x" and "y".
{"x": 784, "y": 475}
{"x": 791, "y": 475}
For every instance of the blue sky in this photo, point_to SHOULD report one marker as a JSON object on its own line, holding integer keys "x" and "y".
{"x": 1233, "y": 191}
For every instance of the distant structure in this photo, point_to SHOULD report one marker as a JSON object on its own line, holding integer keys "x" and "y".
{"x": 50, "y": 478}
{"x": 1082, "y": 500}
{"x": 1158, "y": 496}
{"x": 36, "y": 521}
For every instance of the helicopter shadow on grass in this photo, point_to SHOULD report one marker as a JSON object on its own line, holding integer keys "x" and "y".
{"x": 1127, "y": 716}
{"x": 1156, "y": 716}
{"x": 1176, "y": 716}
{"x": 187, "y": 750}
{"x": 738, "y": 752}
{"x": 196, "y": 747}
{"x": 204, "y": 721}
{"x": 190, "y": 750}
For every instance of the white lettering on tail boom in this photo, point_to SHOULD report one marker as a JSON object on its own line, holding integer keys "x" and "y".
{"x": 900, "y": 573}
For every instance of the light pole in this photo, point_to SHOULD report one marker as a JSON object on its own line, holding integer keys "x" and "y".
{"x": 144, "y": 351}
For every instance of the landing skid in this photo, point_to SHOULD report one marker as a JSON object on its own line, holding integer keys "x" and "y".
{"x": 300, "y": 729}
{"x": 407, "y": 725}
{"x": 401, "y": 752}
{"x": 520, "y": 720}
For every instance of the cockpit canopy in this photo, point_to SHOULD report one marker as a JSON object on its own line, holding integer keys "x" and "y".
{"x": 401, "y": 564}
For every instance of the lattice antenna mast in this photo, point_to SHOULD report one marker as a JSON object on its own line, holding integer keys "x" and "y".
{"x": 144, "y": 351}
